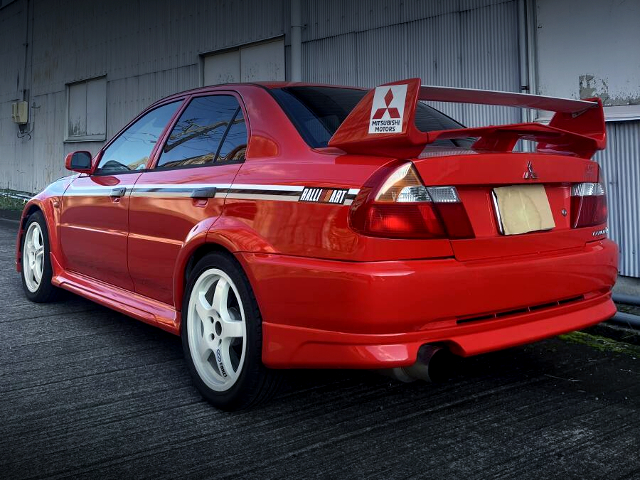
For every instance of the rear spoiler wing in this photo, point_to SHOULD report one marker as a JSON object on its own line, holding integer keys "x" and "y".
{"x": 383, "y": 122}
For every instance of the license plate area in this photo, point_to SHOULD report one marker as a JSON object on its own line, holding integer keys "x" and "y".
{"x": 522, "y": 209}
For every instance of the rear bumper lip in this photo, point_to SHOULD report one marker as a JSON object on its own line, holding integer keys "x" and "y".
{"x": 288, "y": 346}
{"x": 327, "y": 313}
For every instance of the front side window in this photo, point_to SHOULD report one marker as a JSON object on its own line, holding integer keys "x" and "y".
{"x": 211, "y": 130}
{"x": 131, "y": 150}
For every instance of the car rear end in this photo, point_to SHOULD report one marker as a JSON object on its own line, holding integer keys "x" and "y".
{"x": 522, "y": 249}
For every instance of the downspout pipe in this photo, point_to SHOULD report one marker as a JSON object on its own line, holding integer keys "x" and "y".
{"x": 626, "y": 299}
{"x": 296, "y": 41}
{"x": 523, "y": 54}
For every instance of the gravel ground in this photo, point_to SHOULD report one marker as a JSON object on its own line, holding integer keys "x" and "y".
{"x": 87, "y": 392}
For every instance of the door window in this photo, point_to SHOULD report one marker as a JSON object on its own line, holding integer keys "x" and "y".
{"x": 211, "y": 130}
{"x": 131, "y": 150}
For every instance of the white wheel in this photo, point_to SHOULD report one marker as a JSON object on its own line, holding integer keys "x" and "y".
{"x": 221, "y": 334}
{"x": 35, "y": 261}
{"x": 217, "y": 330}
{"x": 33, "y": 257}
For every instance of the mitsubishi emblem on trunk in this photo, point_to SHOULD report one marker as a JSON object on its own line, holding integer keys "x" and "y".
{"x": 530, "y": 174}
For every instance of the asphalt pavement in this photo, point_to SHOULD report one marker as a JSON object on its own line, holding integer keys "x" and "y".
{"x": 87, "y": 392}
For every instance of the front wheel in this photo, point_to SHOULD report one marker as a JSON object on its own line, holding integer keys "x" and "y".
{"x": 222, "y": 336}
{"x": 36, "y": 261}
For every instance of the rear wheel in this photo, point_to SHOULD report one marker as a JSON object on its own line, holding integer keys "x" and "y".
{"x": 222, "y": 336}
{"x": 36, "y": 261}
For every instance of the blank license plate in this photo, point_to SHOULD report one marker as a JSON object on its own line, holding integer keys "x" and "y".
{"x": 522, "y": 209}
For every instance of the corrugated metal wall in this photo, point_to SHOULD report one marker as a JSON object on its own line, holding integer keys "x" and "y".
{"x": 621, "y": 165}
{"x": 146, "y": 48}
{"x": 458, "y": 43}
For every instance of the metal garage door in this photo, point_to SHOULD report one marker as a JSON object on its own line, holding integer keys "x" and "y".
{"x": 250, "y": 63}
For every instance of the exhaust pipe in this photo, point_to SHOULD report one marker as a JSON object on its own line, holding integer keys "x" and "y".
{"x": 432, "y": 365}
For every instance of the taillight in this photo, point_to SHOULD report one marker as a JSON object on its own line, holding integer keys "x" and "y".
{"x": 395, "y": 203}
{"x": 588, "y": 205}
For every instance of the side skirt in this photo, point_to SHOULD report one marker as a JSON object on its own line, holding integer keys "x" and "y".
{"x": 132, "y": 304}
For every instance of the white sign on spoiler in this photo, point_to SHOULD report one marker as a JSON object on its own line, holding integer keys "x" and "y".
{"x": 387, "y": 110}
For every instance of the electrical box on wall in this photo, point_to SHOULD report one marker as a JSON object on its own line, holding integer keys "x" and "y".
{"x": 20, "y": 112}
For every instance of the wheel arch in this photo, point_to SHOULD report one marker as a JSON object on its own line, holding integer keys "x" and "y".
{"x": 226, "y": 235}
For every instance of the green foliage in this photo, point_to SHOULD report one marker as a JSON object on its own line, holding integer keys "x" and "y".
{"x": 602, "y": 344}
{"x": 10, "y": 202}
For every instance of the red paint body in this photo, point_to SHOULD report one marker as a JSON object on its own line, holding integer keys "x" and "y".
{"x": 329, "y": 296}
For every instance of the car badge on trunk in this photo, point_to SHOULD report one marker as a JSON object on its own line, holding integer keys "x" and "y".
{"x": 530, "y": 174}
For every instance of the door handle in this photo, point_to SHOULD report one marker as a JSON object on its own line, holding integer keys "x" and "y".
{"x": 206, "y": 192}
{"x": 118, "y": 192}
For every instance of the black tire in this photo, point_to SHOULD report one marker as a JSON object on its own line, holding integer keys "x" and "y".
{"x": 45, "y": 292}
{"x": 255, "y": 383}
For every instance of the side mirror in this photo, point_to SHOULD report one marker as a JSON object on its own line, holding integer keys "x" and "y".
{"x": 78, "y": 162}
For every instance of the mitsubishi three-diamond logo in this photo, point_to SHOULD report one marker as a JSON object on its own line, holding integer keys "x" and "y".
{"x": 387, "y": 110}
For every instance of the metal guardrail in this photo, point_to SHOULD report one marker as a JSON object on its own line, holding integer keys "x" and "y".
{"x": 24, "y": 196}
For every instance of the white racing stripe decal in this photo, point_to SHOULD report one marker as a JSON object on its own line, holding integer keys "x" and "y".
{"x": 260, "y": 196}
{"x": 286, "y": 193}
{"x": 283, "y": 193}
{"x": 282, "y": 188}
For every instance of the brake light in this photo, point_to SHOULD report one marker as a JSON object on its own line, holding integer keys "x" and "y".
{"x": 588, "y": 205}
{"x": 395, "y": 203}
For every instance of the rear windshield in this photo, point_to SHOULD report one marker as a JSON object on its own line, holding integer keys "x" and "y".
{"x": 317, "y": 112}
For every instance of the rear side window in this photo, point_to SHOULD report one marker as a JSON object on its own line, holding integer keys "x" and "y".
{"x": 210, "y": 130}
{"x": 317, "y": 112}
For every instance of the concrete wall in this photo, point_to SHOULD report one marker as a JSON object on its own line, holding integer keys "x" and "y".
{"x": 590, "y": 48}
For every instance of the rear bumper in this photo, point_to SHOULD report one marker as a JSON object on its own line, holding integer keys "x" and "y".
{"x": 320, "y": 313}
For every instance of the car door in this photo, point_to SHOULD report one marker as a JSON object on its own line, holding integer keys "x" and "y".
{"x": 95, "y": 208}
{"x": 204, "y": 150}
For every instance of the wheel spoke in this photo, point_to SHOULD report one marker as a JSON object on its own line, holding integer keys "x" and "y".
{"x": 35, "y": 240}
{"x": 225, "y": 358}
{"x": 37, "y": 271}
{"x": 40, "y": 252}
{"x": 204, "y": 349}
{"x": 232, "y": 329}
{"x": 202, "y": 306}
{"x": 220, "y": 297}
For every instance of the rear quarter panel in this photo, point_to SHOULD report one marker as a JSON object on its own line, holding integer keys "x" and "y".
{"x": 277, "y": 156}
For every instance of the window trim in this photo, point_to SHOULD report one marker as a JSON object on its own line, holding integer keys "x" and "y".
{"x": 161, "y": 137}
{"x": 84, "y": 138}
{"x": 155, "y": 156}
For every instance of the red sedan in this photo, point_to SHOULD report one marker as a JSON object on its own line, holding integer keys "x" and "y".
{"x": 310, "y": 226}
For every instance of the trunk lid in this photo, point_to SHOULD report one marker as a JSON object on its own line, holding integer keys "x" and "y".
{"x": 475, "y": 175}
